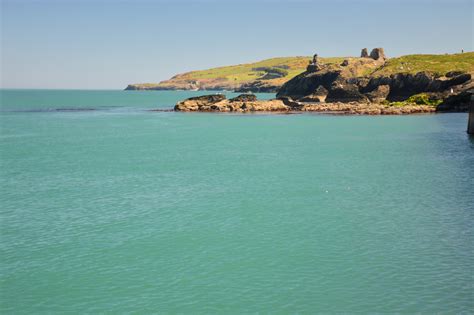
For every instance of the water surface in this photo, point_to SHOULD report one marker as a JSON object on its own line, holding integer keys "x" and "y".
{"x": 119, "y": 209}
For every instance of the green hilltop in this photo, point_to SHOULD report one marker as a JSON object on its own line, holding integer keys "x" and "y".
{"x": 276, "y": 71}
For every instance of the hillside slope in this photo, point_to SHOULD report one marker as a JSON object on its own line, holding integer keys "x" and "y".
{"x": 270, "y": 74}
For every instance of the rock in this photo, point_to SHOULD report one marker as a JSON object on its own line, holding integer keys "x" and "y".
{"x": 214, "y": 98}
{"x": 364, "y": 53}
{"x": 404, "y": 85}
{"x": 306, "y": 83}
{"x": 244, "y": 98}
{"x": 345, "y": 63}
{"x": 288, "y": 101}
{"x": 313, "y": 68}
{"x": 377, "y": 53}
{"x": 456, "y": 80}
{"x": 258, "y": 86}
{"x": 280, "y": 105}
{"x": 451, "y": 74}
{"x": 457, "y": 102}
{"x": 341, "y": 91}
{"x": 379, "y": 94}
{"x": 318, "y": 96}
{"x": 241, "y": 103}
{"x": 194, "y": 103}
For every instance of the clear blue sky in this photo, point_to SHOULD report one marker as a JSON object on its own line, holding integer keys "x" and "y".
{"x": 108, "y": 44}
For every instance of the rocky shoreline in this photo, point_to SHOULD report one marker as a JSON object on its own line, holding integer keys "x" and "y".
{"x": 247, "y": 103}
{"x": 339, "y": 89}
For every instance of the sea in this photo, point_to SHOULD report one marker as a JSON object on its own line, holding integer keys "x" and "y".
{"x": 107, "y": 206}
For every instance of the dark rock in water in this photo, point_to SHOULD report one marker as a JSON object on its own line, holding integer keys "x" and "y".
{"x": 364, "y": 53}
{"x": 244, "y": 98}
{"x": 214, "y": 98}
{"x": 341, "y": 91}
{"x": 379, "y": 94}
{"x": 377, "y": 53}
{"x": 193, "y": 103}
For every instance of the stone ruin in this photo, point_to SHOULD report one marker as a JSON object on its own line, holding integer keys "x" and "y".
{"x": 364, "y": 53}
{"x": 376, "y": 54}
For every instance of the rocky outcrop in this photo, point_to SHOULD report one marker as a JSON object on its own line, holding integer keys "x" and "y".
{"x": 404, "y": 85}
{"x": 343, "y": 91}
{"x": 343, "y": 84}
{"x": 459, "y": 100}
{"x": 195, "y": 103}
{"x": 319, "y": 95}
{"x": 219, "y": 103}
{"x": 379, "y": 94}
{"x": 244, "y": 98}
{"x": 242, "y": 104}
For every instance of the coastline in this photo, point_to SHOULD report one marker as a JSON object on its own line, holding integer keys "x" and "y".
{"x": 247, "y": 103}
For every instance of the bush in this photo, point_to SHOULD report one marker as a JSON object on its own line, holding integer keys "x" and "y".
{"x": 423, "y": 99}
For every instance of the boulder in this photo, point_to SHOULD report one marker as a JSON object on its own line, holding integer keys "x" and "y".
{"x": 341, "y": 91}
{"x": 345, "y": 63}
{"x": 195, "y": 103}
{"x": 451, "y": 74}
{"x": 241, "y": 103}
{"x": 288, "y": 101}
{"x": 244, "y": 98}
{"x": 318, "y": 96}
{"x": 379, "y": 94}
{"x": 307, "y": 83}
{"x": 214, "y": 98}
{"x": 457, "y": 102}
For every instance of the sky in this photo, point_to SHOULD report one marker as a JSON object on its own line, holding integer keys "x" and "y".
{"x": 107, "y": 44}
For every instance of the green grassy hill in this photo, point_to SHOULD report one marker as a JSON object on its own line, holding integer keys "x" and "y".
{"x": 440, "y": 64}
{"x": 232, "y": 77}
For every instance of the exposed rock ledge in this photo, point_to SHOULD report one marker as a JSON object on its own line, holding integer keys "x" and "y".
{"x": 249, "y": 103}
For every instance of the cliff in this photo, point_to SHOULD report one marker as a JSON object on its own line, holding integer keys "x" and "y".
{"x": 375, "y": 79}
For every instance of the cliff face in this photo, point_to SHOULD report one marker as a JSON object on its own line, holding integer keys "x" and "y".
{"x": 342, "y": 84}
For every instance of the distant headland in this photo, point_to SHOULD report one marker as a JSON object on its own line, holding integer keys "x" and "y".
{"x": 270, "y": 74}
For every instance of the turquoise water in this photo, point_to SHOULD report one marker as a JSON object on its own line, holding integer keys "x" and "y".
{"x": 120, "y": 209}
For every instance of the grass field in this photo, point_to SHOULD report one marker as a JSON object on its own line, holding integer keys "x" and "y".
{"x": 242, "y": 73}
{"x": 439, "y": 64}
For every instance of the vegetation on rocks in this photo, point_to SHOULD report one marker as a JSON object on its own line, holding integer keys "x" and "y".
{"x": 417, "y": 99}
